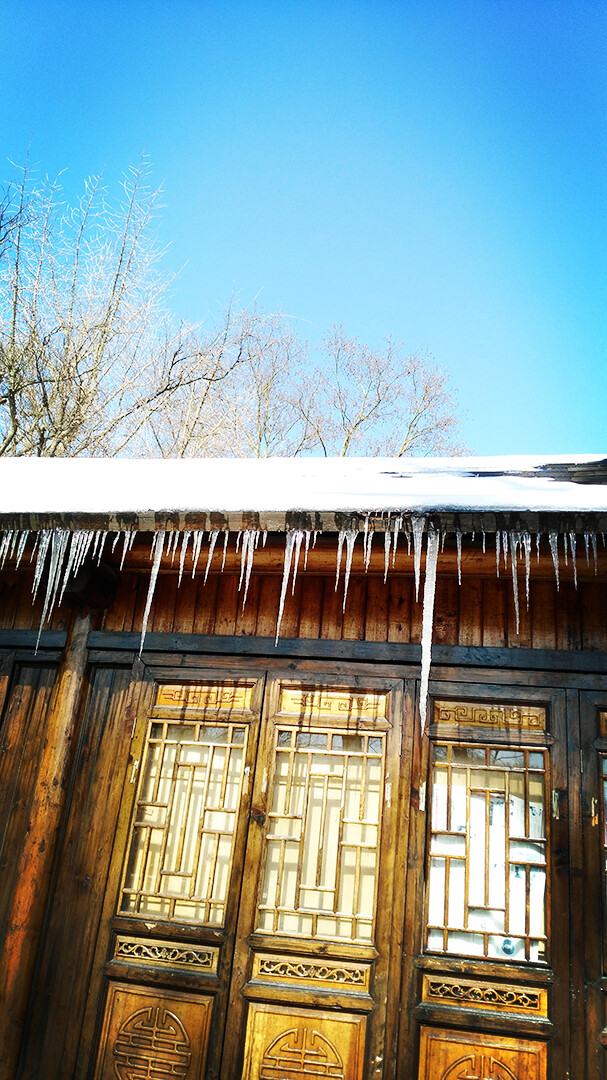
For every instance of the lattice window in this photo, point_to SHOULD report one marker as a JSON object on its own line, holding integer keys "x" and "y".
{"x": 487, "y": 860}
{"x": 323, "y": 835}
{"x": 181, "y": 842}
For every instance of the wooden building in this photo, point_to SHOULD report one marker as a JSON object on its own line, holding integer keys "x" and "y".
{"x": 229, "y": 854}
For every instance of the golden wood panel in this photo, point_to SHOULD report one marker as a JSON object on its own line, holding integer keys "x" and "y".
{"x": 313, "y": 973}
{"x": 167, "y": 954}
{"x": 294, "y": 1044}
{"x": 493, "y": 996}
{"x": 523, "y": 717}
{"x": 148, "y": 1034}
{"x": 449, "y": 1055}
{"x": 202, "y": 696}
{"x": 603, "y": 722}
{"x": 313, "y": 703}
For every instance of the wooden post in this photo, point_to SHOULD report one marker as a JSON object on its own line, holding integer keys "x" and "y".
{"x": 35, "y": 860}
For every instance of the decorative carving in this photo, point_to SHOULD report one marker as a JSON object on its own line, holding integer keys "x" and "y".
{"x": 493, "y": 716}
{"x": 167, "y": 954}
{"x": 299, "y": 1053}
{"x": 495, "y": 996}
{"x": 313, "y": 703}
{"x": 451, "y": 1055}
{"x": 152, "y": 1042}
{"x": 205, "y": 696}
{"x": 148, "y": 1034}
{"x": 271, "y": 968}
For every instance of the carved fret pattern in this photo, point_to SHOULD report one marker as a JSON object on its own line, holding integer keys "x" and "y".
{"x": 314, "y": 703}
{"x": 205, "y": 696}
{"x": 299, "y": 1053}
{"x": 169, "y": 955}
{"x": 152, "y": 1042}
{"x": 493, "y": 716}
{"x": 284, "y": 969}
{"x": 497, "y": 996}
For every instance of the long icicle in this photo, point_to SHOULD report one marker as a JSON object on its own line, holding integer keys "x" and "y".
{"x": 157, "y": 549}
{"x": 432, "y": 543}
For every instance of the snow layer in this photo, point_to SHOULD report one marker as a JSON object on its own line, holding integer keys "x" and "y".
{"x": 98, "y": 486}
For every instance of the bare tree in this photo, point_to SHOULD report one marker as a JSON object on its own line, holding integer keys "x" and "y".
{"x": 92, "y": 361}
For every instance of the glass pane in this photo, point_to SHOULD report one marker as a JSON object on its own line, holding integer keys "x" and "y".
{"x": 181, "y": 842}
{"x": 322, "y": 837}
{"x": 486, "y": 872}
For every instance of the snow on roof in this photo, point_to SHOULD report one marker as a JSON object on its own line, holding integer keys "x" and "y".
{"x": 284, "y": 485}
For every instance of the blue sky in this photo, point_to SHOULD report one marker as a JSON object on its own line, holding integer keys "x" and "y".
{"x": 432, "y": 170}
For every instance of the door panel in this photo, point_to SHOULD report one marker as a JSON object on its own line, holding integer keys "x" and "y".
{"x": 253, "y": 882}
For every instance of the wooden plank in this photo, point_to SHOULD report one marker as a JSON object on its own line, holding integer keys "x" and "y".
{"x": 399, "y": 608}
{"x": 332, "y": 611}
{"x": 494, "y": 613}
{"x": 185, "y": 606}
{"x": 311, "y": 606}
{"x": 568, "y": 617}
{"x": 470, "y": 630}
{"x": 376, "y": 613}
{"x": 518, "y": 637}
{"x": 246, "y": 621}
{"x": 370, "y": 651}
{"x": 543, "y": 621}
{"x": 120, "y": 615}
{"x": 353, "y": 621}
{"x": 227, "y": 603}
{"x": 446, "y": 611}
{"x": 268, "y": 607}
{"x": 594, "y": 615}
{"x": 35, "y": 859}
{"x": 165, "y": 600}
{"x": 206, "y": 603}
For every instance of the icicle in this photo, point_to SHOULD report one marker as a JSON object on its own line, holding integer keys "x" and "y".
{"x": 340, "y": 546}
{"x": 212, "y": 541}
{"x": 315, "y": 537}
{"x": 572, "y": 544}
{"x": 116, "y": 539}
{"x": 157, "y": 549}
{"x": 417, "y": 526}
{"x": 196, "y": 546}
{"x": 365, "y": 540}
{"x": 397, "y": 525}
{"x": 26, "y": 532}
{"x": 442, "y": 542}
{"x": 553, "y": 540}
{"x": 484, "y": 541}
{"x": 458, "y": 540}
{"x": 185, "y": 537}
{"x": 286, "y": 567}
{"x": 238, "y": 541}
{"x": 537, "y": 546}
{"x": 37, "y": 536}
{"x": 514, "y": 545}
{"x": 264, "y": 537}
{"x": 225, "y": 548}
{"x": 387, "y": 543}
{"x": 299, "y": 536}
{"x": 587, "y": 547}
{"x": 174, "y": 540}
{"x": 77, "y": 542}
{"x": 308, "y": 535}
{"x": 59, "y": 542}
{"x": 594, "y": 551}
{"x": 129, "y": 538}
{"x": 249, "y": 543}
{"x": 4, "y": 546}
{"x": 505, "y": 548}
{"x": 527, "y": 549}
{"x": 351, "y": 536}
{"x": 497, "y": 551}
{"x": 432, "y": 542}
{"x": 43, "y": 541}
{"x": 368, "y": 551}
{"x": 565, "y": 548}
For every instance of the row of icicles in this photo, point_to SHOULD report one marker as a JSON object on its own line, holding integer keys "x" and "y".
{"x": 65, "y": 550}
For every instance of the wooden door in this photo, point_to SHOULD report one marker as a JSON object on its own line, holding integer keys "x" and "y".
{"x": 491, "y": 975}
{"x": 253, "y": 901}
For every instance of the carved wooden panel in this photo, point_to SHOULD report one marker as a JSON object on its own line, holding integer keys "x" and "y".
{"x": 449, "y": 1055}
{"x": 476, "y": 994}
{"x": 147, "y": 1035}
{"x": 323, "y": 973}
{"x": 226, "y": 697}
{"x": 522, "y": 717}
{"x": 294, "y": 1044}
{"x": 312, "y": 703}
{"x": 201, "y": 958}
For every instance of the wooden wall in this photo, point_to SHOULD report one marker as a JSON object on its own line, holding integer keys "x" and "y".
{"x": 480, "y": 611}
